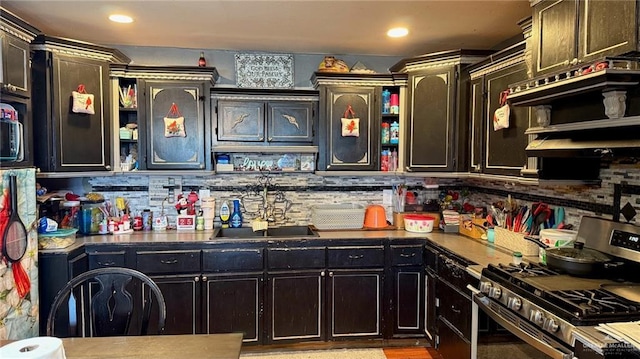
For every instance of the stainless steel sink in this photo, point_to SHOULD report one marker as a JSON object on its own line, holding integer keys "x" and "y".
{"x": 276, "y": 232}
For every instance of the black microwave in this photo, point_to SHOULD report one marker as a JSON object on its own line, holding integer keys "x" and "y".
{"x": 11, "y": 135}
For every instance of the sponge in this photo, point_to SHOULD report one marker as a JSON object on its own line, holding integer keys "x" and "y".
{"x": 259, "y": 225}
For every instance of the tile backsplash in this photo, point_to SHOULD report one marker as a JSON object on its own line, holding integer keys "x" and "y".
{"x": 307, "y": 189}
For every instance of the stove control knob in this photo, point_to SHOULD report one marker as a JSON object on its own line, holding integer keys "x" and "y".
{"x": 514, "y": 303}
{"x": 495, "y": 292}
{"x": 485, "y": 286}
{"x": 551, "y": 325}
{"x": 537, "y": 316}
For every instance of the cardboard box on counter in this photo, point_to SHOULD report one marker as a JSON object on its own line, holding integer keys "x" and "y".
{"x": 471, "y": 226}
{"x": 398, "y": 218}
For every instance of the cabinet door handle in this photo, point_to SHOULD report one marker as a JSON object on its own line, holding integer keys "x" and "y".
{"x": 456, "y": 273}
{"x": 169, "y": 261}
{"x": 241, "y": 117}
{"x": 351, "y": 256}
{"x": 407, "y": 255}
{"x": 330, "y": 274}
{"x": 107, "y": 264}
{"x": 455, "y": 310}
{"x": 322, "y": 274}
{"x": 196, "y": 279}
{"x": 204, "y": 278}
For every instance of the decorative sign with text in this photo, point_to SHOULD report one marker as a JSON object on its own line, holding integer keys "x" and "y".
{"x": 264, "y": 70}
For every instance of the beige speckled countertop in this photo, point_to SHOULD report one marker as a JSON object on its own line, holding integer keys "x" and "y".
{"x": 477, "y": 251}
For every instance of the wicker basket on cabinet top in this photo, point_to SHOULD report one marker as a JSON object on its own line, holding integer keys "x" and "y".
{"x": 337, "y": 216}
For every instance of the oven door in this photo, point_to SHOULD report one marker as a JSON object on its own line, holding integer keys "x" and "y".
{"x": 524, "y": 345}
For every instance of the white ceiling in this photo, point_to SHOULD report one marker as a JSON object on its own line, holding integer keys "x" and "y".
{"x": 296, "y": 26}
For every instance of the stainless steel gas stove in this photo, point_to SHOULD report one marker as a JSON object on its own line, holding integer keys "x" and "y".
{"x": 544, "y": 307}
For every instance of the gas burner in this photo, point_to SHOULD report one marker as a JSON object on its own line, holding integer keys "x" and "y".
{"x": 526, "y": 270}
{"x": 594, "y": 302}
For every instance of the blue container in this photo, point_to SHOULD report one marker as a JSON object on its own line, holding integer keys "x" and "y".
{"x": 86, "y": 219}
{"x": 236, "y": 215}
{"x": 386, "y": 102}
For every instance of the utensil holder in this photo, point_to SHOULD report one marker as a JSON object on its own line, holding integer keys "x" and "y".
{"x": 513, "y": 241}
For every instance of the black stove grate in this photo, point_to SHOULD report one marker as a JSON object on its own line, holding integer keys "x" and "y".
{"x": 593, "y": 303}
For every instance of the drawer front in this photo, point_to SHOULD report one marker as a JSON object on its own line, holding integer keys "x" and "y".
{"x": 232, "y": 260}
{"x": 356, "y": 257}
{"x": 455, "y": 273}
{"x": 295, "y": 258}
{"x": 455, "y": 307}
{"x": 106, "y": 259}
{"x": 406, "y": 255}
{"x": 168, "y": 261}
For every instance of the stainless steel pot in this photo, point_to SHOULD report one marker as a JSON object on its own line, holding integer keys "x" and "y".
{"x": 579, "y": 261}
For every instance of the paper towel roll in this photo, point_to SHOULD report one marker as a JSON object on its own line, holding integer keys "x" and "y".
{"x": 34, "y": 348}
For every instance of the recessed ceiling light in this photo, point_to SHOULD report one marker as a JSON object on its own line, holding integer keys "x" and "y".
{"x": 398, "y": 32}
{"x": 123, "y": 19}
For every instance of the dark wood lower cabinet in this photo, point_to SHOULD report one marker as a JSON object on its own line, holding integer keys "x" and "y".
{"x": 233, "y": 303}
{"x": 55, "y": 270}
{"x": 355, "y": 300}
{"x": 295, "y": 307}
{"x": 281, "y": 292}
{"x": 182, "y": 296}
{"x": 408, "y": 298}
{"x": 451, "y": 343}
{"x": 430, "y": 316}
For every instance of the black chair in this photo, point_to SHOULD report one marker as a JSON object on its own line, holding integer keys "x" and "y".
{"x": 98, "y": 303}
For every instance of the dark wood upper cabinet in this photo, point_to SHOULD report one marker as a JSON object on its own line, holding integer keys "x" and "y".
{"x": 432, "y": 94}
{"x": 16, "y": 70}
{"x": 477, "y": 96}
{"x": 350, "y": 152}
{"x": 251, "y": 120}
{"x": 15, "y": 65}
{"x": 241, "y": 121}
{"x": 570, "y": 32}
{"x": 184, "y": 147}
{"x": 437, "y": 108}
{"x": 500, "y": 152}
{"x": 69, "y": 141}
{"x": 607, "y": 28}
{"x": 505, "y": 148}
{"x": 167, "y": 139}
{"x": 15, "y": 89}
{"x": 354, "y": 96}
{"x": 290, "y": 121}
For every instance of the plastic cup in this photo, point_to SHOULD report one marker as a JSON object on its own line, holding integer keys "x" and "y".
{"x": 491, "y": 235}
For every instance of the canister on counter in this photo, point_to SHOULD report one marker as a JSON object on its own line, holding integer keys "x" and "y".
{"x": 199, "y": 223}
{"x": 90, "y": 217}
{"x": 147, "y": 220}
{"x": 137, "y": 223}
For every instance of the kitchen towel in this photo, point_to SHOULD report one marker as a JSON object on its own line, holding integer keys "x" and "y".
{"x": 34, "y": 348}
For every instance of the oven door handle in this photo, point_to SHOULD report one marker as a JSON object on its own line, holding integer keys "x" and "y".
{"x": 538, "y": 344}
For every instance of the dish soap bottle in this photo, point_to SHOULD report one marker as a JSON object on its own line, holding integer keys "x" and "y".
{"x": 236, "y": 215}
{"x": 225, "y": 214}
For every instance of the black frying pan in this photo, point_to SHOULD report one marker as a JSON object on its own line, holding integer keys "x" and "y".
{"x": 14, "y": 244}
